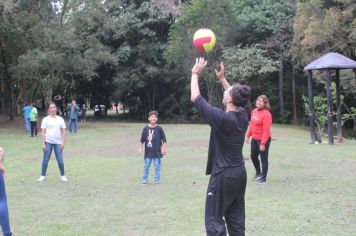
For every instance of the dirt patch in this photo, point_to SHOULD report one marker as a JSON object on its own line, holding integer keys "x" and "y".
{"x": 18, "y": 123}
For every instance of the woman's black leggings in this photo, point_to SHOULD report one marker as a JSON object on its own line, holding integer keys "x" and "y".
{"x": 255, "y": 152}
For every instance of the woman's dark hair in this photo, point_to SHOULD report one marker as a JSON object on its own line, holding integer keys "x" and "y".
{"x": 240, "y": 94}
{"x": 153, "y": 113}
{"x": 52, "y": 103}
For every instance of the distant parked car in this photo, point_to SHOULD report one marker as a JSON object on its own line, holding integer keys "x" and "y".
{"x": 101, "y": 111}
{"x": 102, "y": 107}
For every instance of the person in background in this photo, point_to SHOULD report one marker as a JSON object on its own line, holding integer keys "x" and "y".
{"x": 4, "y": 211}
{"x": 260, "y": 130}
{"x": 33, "y": 120}
{"x": 73, "y": 115}
{"x": 26, "y": 115}
{"x": 84, "y": 113}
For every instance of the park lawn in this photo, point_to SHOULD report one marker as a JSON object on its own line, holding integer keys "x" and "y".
{"x": 311, "y": 189}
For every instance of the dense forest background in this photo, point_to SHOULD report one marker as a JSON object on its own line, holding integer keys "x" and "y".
{"x": 139, "y": 53}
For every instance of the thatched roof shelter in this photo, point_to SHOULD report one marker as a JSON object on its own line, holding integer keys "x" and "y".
{"x": 328, "y": 62}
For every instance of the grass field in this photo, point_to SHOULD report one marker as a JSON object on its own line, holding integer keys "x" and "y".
{"x": 311, "y": 189}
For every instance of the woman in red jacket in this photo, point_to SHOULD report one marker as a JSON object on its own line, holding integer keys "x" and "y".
{"x": 260, "y": 130}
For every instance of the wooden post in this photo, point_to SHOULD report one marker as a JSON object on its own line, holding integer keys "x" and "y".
{"x": 311, "y": 108}
{"x": 338, "y": 108}
{"x": 329, "y": 102}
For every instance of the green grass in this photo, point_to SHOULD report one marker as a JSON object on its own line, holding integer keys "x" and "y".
{"x": 311, "y": 189}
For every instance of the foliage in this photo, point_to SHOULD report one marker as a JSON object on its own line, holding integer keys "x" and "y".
{"x": 245, "y": 63}
{"x": 139, "y": 52}
{"x": 238, "y": 45}
{"x": 320, "y": 111}
{"x": 322, "y": 26}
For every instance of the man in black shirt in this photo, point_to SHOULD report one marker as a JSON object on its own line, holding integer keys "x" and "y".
{"x": 225, "y": 200}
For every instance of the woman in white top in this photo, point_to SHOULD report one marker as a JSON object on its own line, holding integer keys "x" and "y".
{"x": 53, "y": 136}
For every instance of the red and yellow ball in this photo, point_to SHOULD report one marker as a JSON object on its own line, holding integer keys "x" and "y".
{"x": 204, "y": 40}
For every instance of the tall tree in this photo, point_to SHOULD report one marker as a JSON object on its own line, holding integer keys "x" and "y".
{"x": 322, "y": 26}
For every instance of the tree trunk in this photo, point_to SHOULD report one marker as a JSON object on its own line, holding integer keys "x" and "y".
{"x": 11, "y": 105}
{"x": 87, "y": 100}
{"x": 311, "y": 108}
{"x": 295, "y": 118}
{"x": 280, "y": 87}
{"x": 10, "y": 86}
{"x": 330, "y": 110}
{"x": 48, "y": 90}
{"x": 338, "y": 108}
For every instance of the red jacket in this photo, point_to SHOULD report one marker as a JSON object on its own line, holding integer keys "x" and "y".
{"x": 260, "y": 125}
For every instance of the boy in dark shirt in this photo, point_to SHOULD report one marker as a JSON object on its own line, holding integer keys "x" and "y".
{"x": 154, "y": 139}
{"x": 225, "y": 200}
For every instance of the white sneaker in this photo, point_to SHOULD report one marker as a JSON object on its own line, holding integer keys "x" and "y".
{"x": 41, "y": 178}
{"x": 64, "y": 178}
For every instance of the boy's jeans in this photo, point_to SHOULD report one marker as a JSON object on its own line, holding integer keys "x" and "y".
{"x": 71, "y": 122}
{"x": 47, "y": 156}
{"x": 27, "y": 124}
{"x": 146, "y": 167}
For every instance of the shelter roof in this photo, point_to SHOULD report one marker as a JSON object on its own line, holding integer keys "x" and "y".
{"x": 331, "y": 60}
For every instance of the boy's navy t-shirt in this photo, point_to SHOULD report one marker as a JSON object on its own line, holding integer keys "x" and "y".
{"x": 226, "y": 137}
{"x": 153, "y": 137}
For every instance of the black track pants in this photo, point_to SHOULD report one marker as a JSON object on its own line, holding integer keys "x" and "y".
{"x": 255, "y": 152}
{"x": 225, "y": 201}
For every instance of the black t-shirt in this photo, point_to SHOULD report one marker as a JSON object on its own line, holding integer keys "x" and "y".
{"x": 153, "y": 139}
{"x": 226, "y": 137}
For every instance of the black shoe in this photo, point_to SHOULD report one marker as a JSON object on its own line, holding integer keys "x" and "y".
{"x": 257, "y": 177}
{"x": 261, "y": 180}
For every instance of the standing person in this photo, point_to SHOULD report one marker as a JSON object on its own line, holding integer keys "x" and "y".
{"x": 26, "y": 115}
{"x": 64, "y": 111}
{"x": 260, "y": 130}
{"x": 33, "y": 120}
{"x": 53, "y": 137}
{"x": 84, "y": 113}
{"x": 226, "y": 190}
{"x": 73, "y": 114}
{"x": 154, "y": 139}
{"x": 4, "y": 212}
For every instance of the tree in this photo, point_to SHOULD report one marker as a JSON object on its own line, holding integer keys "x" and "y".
{"x": 268, "y": 23}
{"x": 252, "y": 37}
{"x": 322, "y": 26}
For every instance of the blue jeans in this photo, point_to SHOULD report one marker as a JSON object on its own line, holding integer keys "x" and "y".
{"x": 27, "y": 124}
{"x": 71, "y": 122}
{"x": 4, "y": 212}
{"x": 146, "y": 167}
{"x": 47, "y": 156}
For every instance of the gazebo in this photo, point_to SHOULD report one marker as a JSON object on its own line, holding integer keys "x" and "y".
{"x": 328, "y": 62}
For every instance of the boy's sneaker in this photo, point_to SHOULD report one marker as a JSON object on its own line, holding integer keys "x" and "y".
{"x": 144, "y": 181}
{"x": 257, "y": 177}
{"x": 64, "y": 178}
{"x": 41, "y": 178}
{"x": 157, "y": 182}
{"x": 261, "y": 181}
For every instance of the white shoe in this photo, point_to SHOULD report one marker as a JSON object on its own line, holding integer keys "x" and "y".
{"x": 41, "y": 178}
{"x": 64, "y": 178}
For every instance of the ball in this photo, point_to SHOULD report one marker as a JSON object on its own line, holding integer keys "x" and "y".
{"x": 204, "y": 40}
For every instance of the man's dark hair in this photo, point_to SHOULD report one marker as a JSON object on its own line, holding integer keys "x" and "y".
{"x": 240, "y": 94}
{"x": 153, "y": 113}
